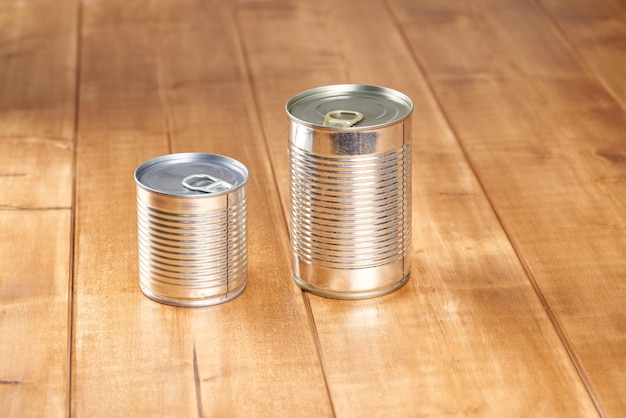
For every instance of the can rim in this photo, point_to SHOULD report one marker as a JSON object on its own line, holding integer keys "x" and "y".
{"x": 189, "y": 156}
{"x": 390, "y": 93}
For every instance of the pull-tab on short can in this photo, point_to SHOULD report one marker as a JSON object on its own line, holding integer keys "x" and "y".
{"x": 350, "y": 190}
{"x": 192, "y": 228}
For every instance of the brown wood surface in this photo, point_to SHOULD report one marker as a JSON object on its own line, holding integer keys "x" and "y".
{"x": 255, "y": 355}
{"x": 515, "y": 306}
{"x": 37, "y": 104}
{"x": 544, "y": 137}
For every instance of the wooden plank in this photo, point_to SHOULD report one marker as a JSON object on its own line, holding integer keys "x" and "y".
{"x": 546, "y": 140}
{"x": 35, "y": 173}
{"x": 33, "y": 312}
{"x": 37, "y": 92}
{"x": 467, "y": 335}
{"x": 597, "y": 31}
{"x": 174, "y": 82}
{"x": 38, "y": 71}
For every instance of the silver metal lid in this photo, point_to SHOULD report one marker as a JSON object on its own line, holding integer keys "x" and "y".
{"x": 191, "y": 174}
{"x": 349, "y": 106}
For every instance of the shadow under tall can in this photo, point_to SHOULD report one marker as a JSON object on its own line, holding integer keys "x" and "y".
{"x": 192, "y": 228}
{"x": 350, "y": 190}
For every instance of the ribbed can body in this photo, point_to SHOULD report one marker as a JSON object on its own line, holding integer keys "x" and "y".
{"x": 350, "y": 208}
{"x": 192, "y": 247}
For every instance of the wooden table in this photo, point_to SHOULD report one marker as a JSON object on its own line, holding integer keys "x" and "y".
{"x": 516, "y": 301}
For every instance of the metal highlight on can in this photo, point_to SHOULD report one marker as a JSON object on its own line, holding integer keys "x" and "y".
{"x": 350, "y": 190}
{"x": 192, "y": 228}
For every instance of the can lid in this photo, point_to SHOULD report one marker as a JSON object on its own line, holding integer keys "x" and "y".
{"x": 348, "y": 106}
{"x": 191, "y": 174}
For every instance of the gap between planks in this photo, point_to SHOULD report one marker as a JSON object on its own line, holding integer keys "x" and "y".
{"x": 73, "y": 217}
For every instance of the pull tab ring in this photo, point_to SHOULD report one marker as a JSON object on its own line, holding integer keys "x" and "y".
{"x": 342, "y": 118}
{"x": 199, "y": 183}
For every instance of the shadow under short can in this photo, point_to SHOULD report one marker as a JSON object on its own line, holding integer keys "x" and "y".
{"x": 350, "y": 190}
{"x": 192, "y": 228}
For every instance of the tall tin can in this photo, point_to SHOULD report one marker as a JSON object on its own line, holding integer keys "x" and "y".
{"x": 350, "y": 190}
{"x": 192, "y": 228}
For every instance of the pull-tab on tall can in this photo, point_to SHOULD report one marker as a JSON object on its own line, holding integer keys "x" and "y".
{"x": 192, "y": 228}
{"x": 350, "y": 190}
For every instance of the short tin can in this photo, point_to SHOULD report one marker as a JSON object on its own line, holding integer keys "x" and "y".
{"x": 350, "y": 190}
{"x": 192, "y": 228}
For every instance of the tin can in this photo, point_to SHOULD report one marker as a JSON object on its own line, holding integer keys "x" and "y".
{"x": 350, "y": 190}
{"x": 192, "y": 228}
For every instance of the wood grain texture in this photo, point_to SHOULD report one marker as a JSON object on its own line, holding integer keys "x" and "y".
{"x": 160, "y": 77}
{"x": 38, "y": 71}
{"x": 37, "y": 93}
{"x": 515, "y": 303}
{"x": 35, "y": 173}
{"x": 597, "y": 32}
{"x": 34, "y": 275}
{"x": 467, "y": 335}
{"x": 544, "y": 138}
